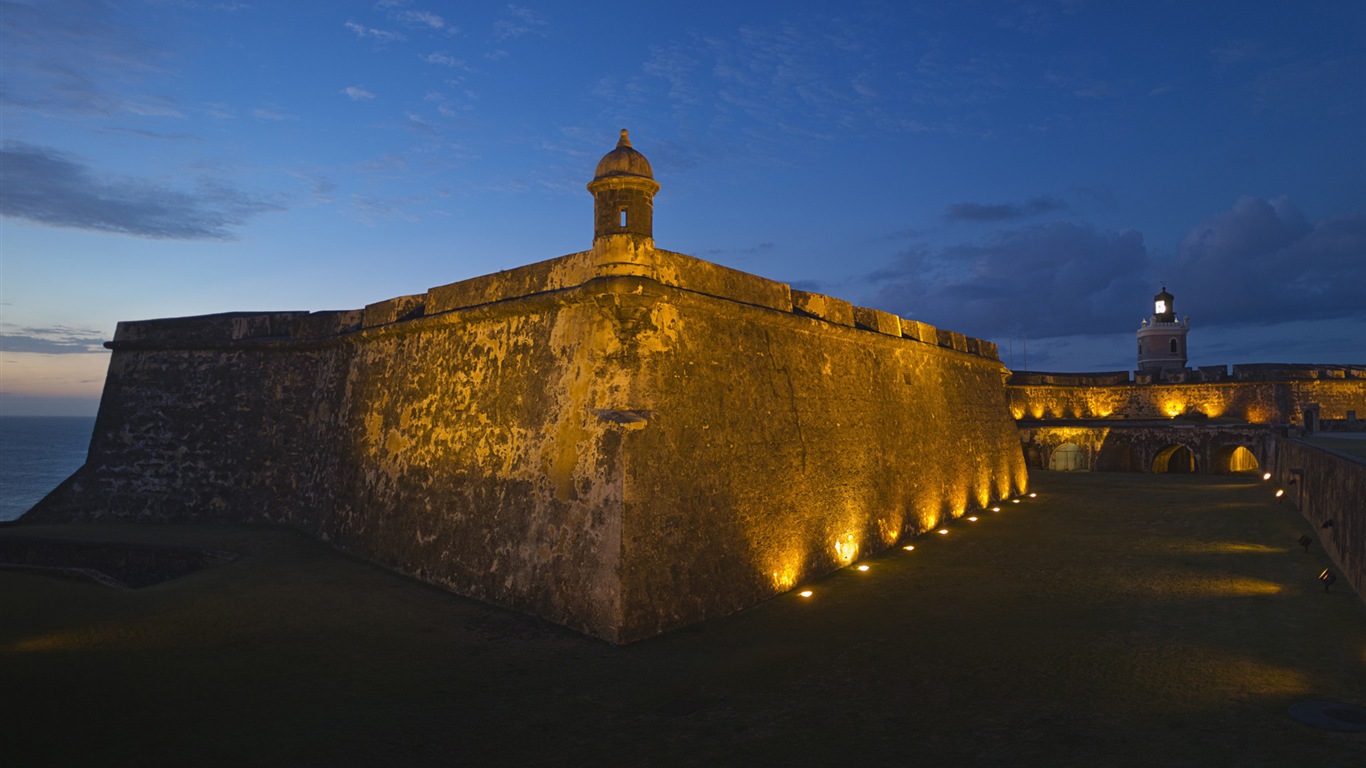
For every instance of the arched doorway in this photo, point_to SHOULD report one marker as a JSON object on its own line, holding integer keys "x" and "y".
{"x": 1235, "y": 458}
{"x": 1174, "y": 459}
{"x": 1116, "y": 457}
{"x": 1067, "y": 457}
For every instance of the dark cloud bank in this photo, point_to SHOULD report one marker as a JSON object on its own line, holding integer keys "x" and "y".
{"x": 44, "y": 186}
{"x": 1261, "y": 262}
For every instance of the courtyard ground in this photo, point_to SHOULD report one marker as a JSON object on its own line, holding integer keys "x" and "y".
{"x": 1114, "y": 620}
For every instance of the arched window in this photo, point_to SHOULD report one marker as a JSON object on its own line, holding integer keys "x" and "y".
{"x": 1173, "y": 346}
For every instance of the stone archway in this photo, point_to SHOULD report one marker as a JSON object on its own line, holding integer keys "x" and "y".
{"x": 1067, "y": 457}
{"x": 1235, "y": 458}
{"x": 1116, "y": 456}
{"x": 1174, "y": 459}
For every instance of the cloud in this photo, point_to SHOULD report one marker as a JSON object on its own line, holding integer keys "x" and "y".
{"x": 981, "y": 212}
{"x": 44, "y": 186}
{"x": 443, "y": 60}
{"x": 1077, "y": 279}
{"x": 356, "y": 93}
{"x": 1264, "y": 261}
{"x": 421, "y": 19}
{"x": 378, "y": 35}
{"x": 265, "y": 113}
{"x": 75, "y": 57}
{"x": 520, "y": 21}
{"x": 59, "y": 340}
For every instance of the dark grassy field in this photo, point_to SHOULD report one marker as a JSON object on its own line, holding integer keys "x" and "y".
{"x": 1116, "y": 620}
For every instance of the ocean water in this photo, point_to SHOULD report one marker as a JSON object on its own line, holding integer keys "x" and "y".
{"x": 36, "y": 454}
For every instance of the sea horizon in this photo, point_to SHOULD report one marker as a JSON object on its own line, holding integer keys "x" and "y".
{"x": 36, "y": 454}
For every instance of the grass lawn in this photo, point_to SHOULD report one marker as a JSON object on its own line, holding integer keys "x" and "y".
{"x": 1116, "y": 620}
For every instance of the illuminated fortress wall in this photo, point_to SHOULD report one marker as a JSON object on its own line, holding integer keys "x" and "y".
{"x": 620, "y": 454}
{"x": 1261, "y": 394}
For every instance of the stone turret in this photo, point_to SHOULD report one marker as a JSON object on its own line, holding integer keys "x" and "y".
{"x": 623, "y": 190}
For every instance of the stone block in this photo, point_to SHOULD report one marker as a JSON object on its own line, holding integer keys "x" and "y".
{"x": 923, "y": 332}
{"x": 265, "y": 325}
{"x": 693, "y": 274}
{"x": 321, "y": 325}
{"x": 393, "y": 310}
{"x": 877, "y": 320}
{"x": 549, "y": 275}
{"x": 824, "y": 307}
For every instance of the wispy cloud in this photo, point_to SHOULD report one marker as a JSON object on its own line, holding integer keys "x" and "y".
{"x": 364, "y": 32}
{"x": 56, "y": 340}
{"x": 443, "y": 59}
{"x": 44, "y": 186}
{"x": 975, "y": 288}
{"x": 273, "y": 115}
{"x": 75, "y": 57}
{"x": 421, "y": 19}
{"x": 357, "y": 93}
{"x": 1002, "y": 212}
{"x": 519, "y": 21}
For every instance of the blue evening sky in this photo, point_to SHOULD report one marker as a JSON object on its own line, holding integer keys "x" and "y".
{"x": 1028, "y": 172}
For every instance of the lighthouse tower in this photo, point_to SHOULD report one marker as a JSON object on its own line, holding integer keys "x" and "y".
{"x": 1161, "y": 338}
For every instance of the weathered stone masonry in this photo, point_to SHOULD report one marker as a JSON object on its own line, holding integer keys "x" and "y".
{"x": 623, "y": 440}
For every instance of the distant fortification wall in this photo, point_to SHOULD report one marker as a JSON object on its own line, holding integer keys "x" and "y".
{"x": 622, "y": 455}
{"x": 1256, "y": 394}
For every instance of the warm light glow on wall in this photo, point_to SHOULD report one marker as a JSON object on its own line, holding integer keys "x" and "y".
{"x": 846, "y": 548}
{"x": 785, "y": 579}
{"x": 1173, "y": 408}
{"x": 890, "y": 528}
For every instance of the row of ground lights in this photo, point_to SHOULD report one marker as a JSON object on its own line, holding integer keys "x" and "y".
{"x": 1326, "y": 575}
{"x": 863, "y": 567}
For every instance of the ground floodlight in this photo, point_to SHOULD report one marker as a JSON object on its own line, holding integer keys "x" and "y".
{"x": 1329, "y": 523}
{"x": 863, "y": 567}
{"x": 995, "y": 509}
{"x": 1033, "y": 495}
{"x": 944, "y": 531}
{"x": 1266, "y": 475}
{"x": 1280, "y": 492}
{"x": 805, "y": 593}
{"x": 1327, "y": 577}
{"x": 909, "y": 547}
{"x": 1305, "y": 541}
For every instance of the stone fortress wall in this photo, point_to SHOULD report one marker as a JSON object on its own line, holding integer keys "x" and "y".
{"x": 1256, "y": 394}
{"x": 620, "y": 453}
{"x": 1136, "y": 424}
